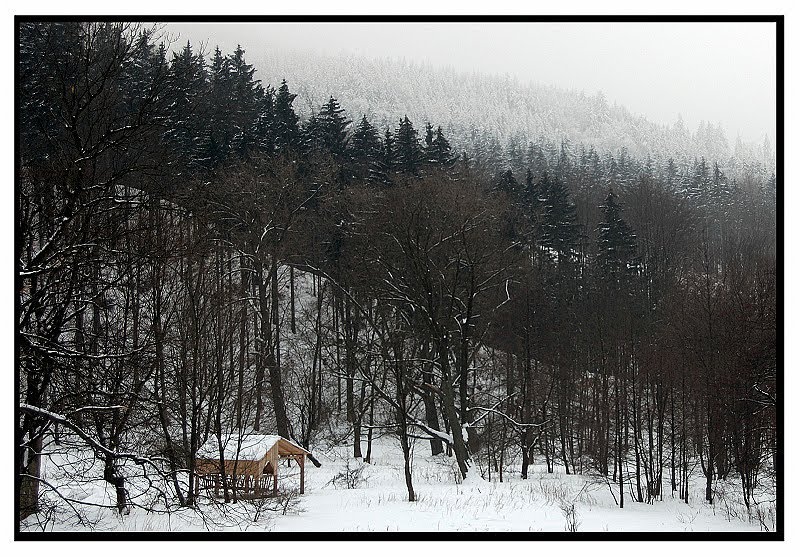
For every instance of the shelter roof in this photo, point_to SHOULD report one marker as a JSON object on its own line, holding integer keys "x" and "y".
{"x": 247, "y": 447}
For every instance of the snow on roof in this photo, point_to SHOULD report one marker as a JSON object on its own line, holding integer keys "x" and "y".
{"x": 253, "y": 446}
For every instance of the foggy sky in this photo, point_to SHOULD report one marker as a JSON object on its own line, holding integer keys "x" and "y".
{"x": 718, "y": 72}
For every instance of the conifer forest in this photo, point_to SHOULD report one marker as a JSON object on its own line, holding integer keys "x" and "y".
{"x": 453, "y": 319}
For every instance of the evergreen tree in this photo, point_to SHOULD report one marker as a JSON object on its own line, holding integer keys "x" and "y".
{"x": 286, "y": 128}
{"x": 265, "y": 121}
{"x": 365, "y": 149}
{"x": 439, "y": 152}
{"x": 428, "y": 144}
{"x": 220, "y": 130}
{"x": 187, "y": 126}
{"x": 536, "y": 160}
{"x": 380, "y": 172}
{"x": 515, "y": 153}
{"x": 530, "y": 193}
{"x": 464, "y": 164}
{"x": 144, "y": 74}
{"x": 509, "y": 184}
{"x": 699, "y": 185}
{"x": 721, "y": 189}
{"x": 244, "y": 103}
{"x": 332, "y": 128}
{"x": 564, "y": 167}
{"x": 311, "y": 134}
{"x": 493, "y": 154}
{"x": 558, "y": 229}
{"x": 407, "y": 151}
{"x": 616, "y": 242}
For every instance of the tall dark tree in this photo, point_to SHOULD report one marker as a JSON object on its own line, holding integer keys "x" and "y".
{"x": 187, "y": 124}
{"x": 407, "y": 150}
{"x": 437, "y": 150}
{"x": 558, "y": 229}
{"x": 286, "y": 128}
{"x": 530, "y": 193}
{"x": 244, "y": 104}
{"x": 333, "y": 126}
{"x": 219, "y": 94}
{"x": 616, "y": 242}
{"x": 507, "y": 183}
{"x": 365, "y": 149}
{"x": 381, "y": 171}
{"x": 427, "y": 144}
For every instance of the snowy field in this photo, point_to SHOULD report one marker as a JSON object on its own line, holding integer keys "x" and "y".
{"x": 375, "y": 500}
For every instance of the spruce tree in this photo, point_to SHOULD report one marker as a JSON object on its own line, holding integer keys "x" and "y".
{"x": 616, "y": 242}
{"x": 220, "y": 129}
{"x": 699, "y": 184}
{"x": 332, "y": 125}
{"x": 506, "y": 182}
{"x": 721, "y": 188}
{"x": 514, "y": 153}
{"x": 186, "y": 121}
{"x": 427, "y": 147}
{"x": 144, "y": 75}
{"x": 286, "y": 128}
{"x": 243, "y": 105}
{"x": 408, "y": 153}
{"x": 380, "y": 172}
{"x": 311, "y": 134}
{"x": 441, "y": 153}
{"x": 530, "y": 193}
{"x": 558, "y": 229}
{"x": 265, "y": 121}
{"x": 365, "y": 149}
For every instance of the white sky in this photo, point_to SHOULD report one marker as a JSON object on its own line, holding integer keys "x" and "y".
{"x": 719, "y": 72}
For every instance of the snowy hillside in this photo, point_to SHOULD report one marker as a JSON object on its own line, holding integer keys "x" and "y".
{"x": 348, "y": 495}
{"x": 502, "y": 106}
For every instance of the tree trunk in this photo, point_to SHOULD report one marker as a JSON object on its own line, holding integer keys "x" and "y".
{"x": 291, "y": 297}
{"x": 449, "y": 405}
{"x": 29, "y": 478}
{"x": 274, "y": 364}
{"x": 429, "y": 401}
{"x": 112, "y": 476}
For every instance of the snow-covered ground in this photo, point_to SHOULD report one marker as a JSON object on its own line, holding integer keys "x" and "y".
{"x": 378, "y": 503}
{"x": 539, "y": 503}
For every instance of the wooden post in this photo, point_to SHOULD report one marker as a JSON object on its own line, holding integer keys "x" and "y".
{"x": 302, "y": 473}
{"x": 275, "y": 477}
{"x": 216, "y": 485}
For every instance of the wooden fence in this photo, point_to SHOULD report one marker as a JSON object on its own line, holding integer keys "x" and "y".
{"x": 247, "y": 486}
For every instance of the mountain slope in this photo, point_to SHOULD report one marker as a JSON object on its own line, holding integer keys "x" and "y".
{"x": 463, "y": 103}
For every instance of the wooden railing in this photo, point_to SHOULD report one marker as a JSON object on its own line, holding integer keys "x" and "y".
{"x": 245, "y": 485}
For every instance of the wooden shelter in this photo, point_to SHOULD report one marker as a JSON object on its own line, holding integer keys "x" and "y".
{"x": 250, "y": 464}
